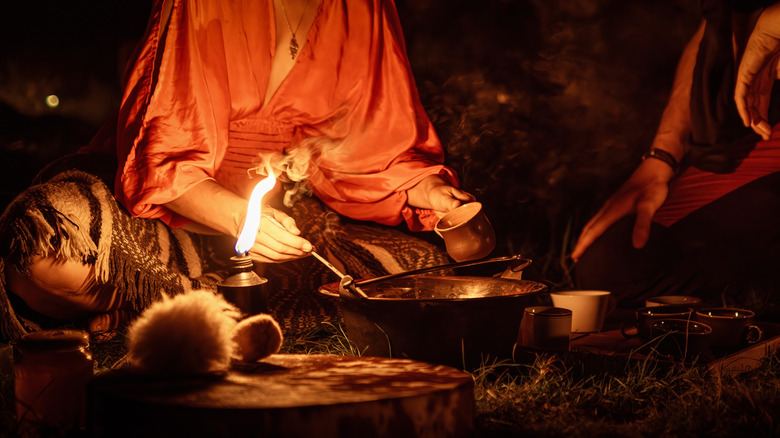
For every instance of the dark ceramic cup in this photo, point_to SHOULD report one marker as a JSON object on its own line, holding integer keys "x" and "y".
{"x": 681, "y": 338}
{"x": 646, "y": 316}
{"x": 732, "y": 328}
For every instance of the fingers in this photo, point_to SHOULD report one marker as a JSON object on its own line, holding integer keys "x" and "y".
{"x": 752, "y": 100}
{"x": 445, "y": 198}
{"x": 281, "y": 219}
{"x": 463, "y": 195}
{"x": 609, "y": 214}
{"x": 644, "y": 219}
{"x": 278, "y": 239}
{"x": 756, "y": 70}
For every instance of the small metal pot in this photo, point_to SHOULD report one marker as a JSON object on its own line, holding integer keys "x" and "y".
{"x": 459, "y": 321}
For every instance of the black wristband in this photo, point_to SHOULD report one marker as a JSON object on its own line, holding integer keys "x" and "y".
{"x": 666, "y": 157}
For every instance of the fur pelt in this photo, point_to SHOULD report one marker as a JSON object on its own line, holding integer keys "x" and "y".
{"x": 198, "y": 333}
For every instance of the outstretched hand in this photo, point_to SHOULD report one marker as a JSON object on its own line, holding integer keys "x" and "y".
{"x": 278, "y": 239}
{"x": 643, "y": 193}
{"x": 758, "y": 71}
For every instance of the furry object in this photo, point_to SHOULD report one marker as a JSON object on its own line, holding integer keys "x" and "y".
{"x": 256, "y": 337}
{"x": 193, "y": 333}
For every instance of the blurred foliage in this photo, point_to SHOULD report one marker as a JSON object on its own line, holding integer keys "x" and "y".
{"x": 545, "y": 107}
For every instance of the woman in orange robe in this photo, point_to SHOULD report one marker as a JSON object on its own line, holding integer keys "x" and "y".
{"x": 208, "y": 100}
{"x": 218, "y": 93}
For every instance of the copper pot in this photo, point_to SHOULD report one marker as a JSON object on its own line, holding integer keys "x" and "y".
{"x": 459, "y": 321}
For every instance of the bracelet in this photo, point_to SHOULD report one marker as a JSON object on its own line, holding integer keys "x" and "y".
{"x": 666, "y": 157}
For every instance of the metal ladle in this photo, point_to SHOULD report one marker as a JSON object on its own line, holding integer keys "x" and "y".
{"x": 346, "y": 282}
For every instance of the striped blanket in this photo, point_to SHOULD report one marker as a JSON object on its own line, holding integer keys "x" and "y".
{"x": 75, "y": 216}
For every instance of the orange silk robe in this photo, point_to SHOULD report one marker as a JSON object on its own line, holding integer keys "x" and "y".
{"x": 193, "y": 109}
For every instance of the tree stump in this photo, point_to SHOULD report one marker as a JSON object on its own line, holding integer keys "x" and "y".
{"x": 288, "y": 396}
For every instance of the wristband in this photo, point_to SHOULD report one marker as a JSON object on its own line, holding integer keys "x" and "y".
{"x": 666, "y": 157}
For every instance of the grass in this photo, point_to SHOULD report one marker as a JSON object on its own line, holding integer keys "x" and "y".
{"x": 545, "y": 398}
{"x": 553, "y": 395}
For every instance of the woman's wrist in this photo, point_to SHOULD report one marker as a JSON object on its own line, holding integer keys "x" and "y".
{"x": 664, "y": 156}
{"x": 418, "y": 196}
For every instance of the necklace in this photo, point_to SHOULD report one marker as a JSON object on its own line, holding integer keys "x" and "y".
{"x": 293, "y": 40}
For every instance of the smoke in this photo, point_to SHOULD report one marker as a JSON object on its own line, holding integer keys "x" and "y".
{"x": 297, "y": 163}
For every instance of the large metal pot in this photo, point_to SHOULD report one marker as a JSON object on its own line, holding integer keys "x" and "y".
{"x": 459, "y": 321}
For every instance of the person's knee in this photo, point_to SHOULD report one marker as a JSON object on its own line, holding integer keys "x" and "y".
{"x": 58, "y": 288}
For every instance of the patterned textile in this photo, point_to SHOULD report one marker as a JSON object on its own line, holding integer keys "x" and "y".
{"x": 75, "y": 216}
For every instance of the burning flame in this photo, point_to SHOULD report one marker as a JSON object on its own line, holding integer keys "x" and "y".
{"x": 253, "y": 214}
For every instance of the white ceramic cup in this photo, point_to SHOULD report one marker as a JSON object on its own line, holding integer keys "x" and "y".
{"x": 589, "y": 308}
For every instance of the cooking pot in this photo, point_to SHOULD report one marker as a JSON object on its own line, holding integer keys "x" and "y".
{"x": 460, "y": 321}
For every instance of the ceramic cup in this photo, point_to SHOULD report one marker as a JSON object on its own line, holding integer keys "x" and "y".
{"x": 731, "y": 327}
{"x": 545, "y": 327}
{"x": 681, "y": 338}
{"x": 467, "y": 233}
{"x": 589, "y": 308}
{"x": 674, "y": 300}
{"x": 646, "y": 316}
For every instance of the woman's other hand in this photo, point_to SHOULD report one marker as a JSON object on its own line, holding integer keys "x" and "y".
{"x": 435, "y": 194}
{"x": 757, "y": 72}
{"x": 643, "y": 193}
{"x": 278, "y": 239}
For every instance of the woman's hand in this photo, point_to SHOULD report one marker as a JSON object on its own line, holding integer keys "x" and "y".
{"x": 642, "y": 194}
{"x": 758, "y": 71}
{"x": 435, "y": 194}
{"x": 278, "y": 239}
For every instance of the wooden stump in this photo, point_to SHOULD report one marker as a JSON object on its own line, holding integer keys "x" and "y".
{"x": 288, "y": 396}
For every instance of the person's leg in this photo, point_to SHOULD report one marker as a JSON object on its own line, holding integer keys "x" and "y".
{"x": 62, "y": 289}
{"x": 99, "y": 261}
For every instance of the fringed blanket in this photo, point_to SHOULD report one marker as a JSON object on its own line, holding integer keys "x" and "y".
{"x": 75, "y": 216}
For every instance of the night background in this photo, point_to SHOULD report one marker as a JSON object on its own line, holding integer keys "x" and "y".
{"x": 544, "y": 107}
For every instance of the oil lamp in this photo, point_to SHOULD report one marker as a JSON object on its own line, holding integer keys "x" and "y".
{"x": 244, "y": 288}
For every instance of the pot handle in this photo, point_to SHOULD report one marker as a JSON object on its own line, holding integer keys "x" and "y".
{"x": 517, "y": 257}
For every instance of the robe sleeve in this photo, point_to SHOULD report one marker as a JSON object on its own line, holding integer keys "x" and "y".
{"x": 173, "y": 121}
{"x": 385, "y": 142}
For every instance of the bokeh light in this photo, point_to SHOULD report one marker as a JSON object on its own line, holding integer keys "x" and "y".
{"x": 52, "y": 101}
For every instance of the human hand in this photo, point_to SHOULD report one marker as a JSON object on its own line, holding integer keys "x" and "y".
{"x": 642, "y": 194}
{"x": 278, "y": 239}
{"x": 435, "y": 194}
{"x": 758, "y": 71}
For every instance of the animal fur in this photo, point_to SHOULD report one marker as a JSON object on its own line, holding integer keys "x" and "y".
{"x": 256, "y": 337}
{"x": 197, "y": 333}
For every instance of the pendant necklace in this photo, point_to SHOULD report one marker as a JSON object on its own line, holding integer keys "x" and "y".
{"x": 293, "y": 40}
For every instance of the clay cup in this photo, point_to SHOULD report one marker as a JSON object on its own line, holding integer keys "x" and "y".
{"x": 467, "y": 233}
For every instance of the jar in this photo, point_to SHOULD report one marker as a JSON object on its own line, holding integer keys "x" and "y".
{"x": 51, "y": 369}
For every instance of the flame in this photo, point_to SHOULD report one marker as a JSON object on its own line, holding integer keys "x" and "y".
{"x": 253, "y": 214}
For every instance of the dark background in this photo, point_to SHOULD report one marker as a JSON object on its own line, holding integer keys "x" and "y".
{"x": 544, "y": 106}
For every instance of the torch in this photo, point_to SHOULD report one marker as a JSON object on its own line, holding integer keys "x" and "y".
{"x": 244, "y": 288}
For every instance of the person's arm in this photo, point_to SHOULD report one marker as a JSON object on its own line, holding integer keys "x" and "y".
{"x": 647, "y": 188}
{"x": 758, "y": 71}
{"x": 212, "y": 207}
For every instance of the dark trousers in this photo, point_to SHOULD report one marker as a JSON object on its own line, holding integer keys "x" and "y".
{"x": 727, "y": 252}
